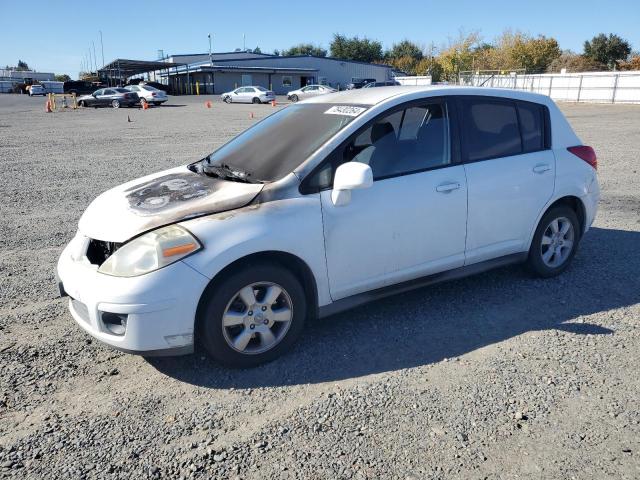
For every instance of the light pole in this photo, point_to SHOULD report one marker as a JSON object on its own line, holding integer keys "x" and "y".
{"x": 101, "y": 47}
{"x": 210, "y": 57}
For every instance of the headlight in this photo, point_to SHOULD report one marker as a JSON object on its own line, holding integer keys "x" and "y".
{"x": 151, "y": 251}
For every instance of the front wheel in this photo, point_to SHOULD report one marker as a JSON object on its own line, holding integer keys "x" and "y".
{"x": 253, "y": 316}
{"x": 554, "y": 243}
{"x": 294, "y": 98}
{"x": 115, "y": 103}
{"x": 82, "y": 103}
{"x": 227, "y": 99}
{"x": 142, "y": 102}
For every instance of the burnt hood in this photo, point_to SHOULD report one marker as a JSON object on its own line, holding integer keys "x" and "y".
{"x": 161, "y": 199}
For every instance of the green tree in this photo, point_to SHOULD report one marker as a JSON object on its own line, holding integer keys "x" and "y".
{"x": 62, "y": 78}
{"x": 306, "y": 49}
{"x": 22, "y": 66}
{"x": 607, "y": 49}
{"x": 355, "y": 48}
{"x": 257, "y": 50}
{"x": 405, "y": 49}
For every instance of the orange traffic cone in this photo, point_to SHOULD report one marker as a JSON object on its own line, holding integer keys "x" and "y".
{"x": 207, "y": 104}
{"x": 251, "y": 115}
{"x": 273, "y": 103}
{"x": 47, "y": 106}
{"x": 145, "y": 105}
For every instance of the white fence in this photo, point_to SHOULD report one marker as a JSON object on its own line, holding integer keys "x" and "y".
{"x": 596, "y": 87}
{"x": 418, "y": 80}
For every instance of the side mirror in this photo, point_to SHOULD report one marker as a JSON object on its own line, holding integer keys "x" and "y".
{"x": 93, "y": 95}
{"x": 350, "y": 176}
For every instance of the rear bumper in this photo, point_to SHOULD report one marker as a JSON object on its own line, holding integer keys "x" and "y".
{"x": 158, "y": 308}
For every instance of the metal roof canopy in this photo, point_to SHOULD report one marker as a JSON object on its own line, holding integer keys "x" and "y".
{"x": 192, "y": 68}
{"x": 127, "y": 68}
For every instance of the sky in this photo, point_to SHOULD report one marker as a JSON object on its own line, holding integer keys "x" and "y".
{"x": 56, "y": 36}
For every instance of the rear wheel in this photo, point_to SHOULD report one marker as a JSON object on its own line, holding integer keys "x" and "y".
{"x": 115, "y": 103}
{"x": 294, "y": 98}
{"x": 253, "y": 316}
{"x": 255, "y": 100}
{"x": 555, "y": 242}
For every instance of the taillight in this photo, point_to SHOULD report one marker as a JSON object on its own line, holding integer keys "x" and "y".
{"x": 154, "y": 94}
{"x": 588, "y": 154}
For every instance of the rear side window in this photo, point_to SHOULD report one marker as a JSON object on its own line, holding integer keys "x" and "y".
{"x": 490, "y": 129}
{"x": 531, "y": 125}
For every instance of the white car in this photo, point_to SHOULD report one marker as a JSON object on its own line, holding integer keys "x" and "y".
{"x": 37, "y": 90}
{"x": 308, "y": 92}
{"x": 148, "y": 94}
{"x": 249, "y": 95}
{"x": 322, "y": 206}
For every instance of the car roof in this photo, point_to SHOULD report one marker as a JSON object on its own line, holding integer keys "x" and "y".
{"x": 374, "y": 96}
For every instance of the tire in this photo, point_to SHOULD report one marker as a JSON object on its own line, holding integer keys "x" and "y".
{"x": 82, "y": 104}
{"x": 227, "y": 100}
{"x": 246, "y": 327}
{"x": 256, "y": 100}
{"x": 142, "y": 102}
{"x": 549, "y": 254}
{"x": 115, "y": 103}
{"x": 157, "y": 104}
{"x": 294, "y": 98}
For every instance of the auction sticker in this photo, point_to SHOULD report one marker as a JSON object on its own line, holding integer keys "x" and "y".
{"x": 348, "y": 110}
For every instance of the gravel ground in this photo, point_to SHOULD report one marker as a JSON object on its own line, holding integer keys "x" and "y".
{"x": 497, "y": 376}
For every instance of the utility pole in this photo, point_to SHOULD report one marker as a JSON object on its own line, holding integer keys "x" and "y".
{"x": 244, "y": 42}
{"x": 94, "y": 56}
{"x": 210, "y": 56}
{"x": 101, "y": 47}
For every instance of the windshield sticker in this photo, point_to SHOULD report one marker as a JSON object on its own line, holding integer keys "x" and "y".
{"x": 348, "y": 110}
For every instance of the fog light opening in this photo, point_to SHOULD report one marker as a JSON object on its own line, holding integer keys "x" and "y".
{"x": 115, "y": 323}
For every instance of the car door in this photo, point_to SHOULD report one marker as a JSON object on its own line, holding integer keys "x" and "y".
{"x": 247, "y": 94}
{"x": 510, "y": 171}
{"x": 412, "y": 221}
{"x": 107, "y": 96}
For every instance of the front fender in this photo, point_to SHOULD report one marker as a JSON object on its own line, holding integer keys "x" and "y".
{"x": 292, "y": 225}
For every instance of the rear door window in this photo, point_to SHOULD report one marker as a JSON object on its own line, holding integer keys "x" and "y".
{"x": 490, "y": 128}
{"x": 531, "y": 126}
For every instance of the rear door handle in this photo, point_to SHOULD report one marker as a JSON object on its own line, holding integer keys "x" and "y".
{"x": 447, "y": 187}
{"x": 543, "y": 167}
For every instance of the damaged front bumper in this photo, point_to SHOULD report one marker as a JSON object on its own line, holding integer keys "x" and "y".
{"x": 152, "y": 314}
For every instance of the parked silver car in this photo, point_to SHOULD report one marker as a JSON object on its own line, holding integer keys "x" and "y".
{"x": 250, "y": 94}
{"x": 309, "y": 91}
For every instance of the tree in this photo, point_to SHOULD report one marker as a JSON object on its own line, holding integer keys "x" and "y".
{"x": 355, "y": 48}
{"x": 306, "y": 49}
{"x": 607, "y": 49}
{"x": 257, "y": 50}
{"x": 574, "y": 62}
{"x": 62, "y": 78}
{"x": 632, "y": 64}
{"x": 405, "y": 49}
{"x": 458, "y": 56}
{"x": 22, "y": 66}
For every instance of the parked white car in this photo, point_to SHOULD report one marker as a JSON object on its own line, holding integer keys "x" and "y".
{"x": 148, "y": 94}
{"x": 37, "y": 90}
{"x": 249, "y": 95}
{"x": 325, "y": 205}
{"x": 309, "y": 91}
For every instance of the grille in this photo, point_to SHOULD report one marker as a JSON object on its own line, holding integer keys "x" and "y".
{"x": 98, "y": 251}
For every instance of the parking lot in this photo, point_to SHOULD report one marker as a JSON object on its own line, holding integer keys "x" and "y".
{"x": 497, "y": 376}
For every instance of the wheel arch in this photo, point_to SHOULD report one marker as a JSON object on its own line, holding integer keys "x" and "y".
{"x": 572, "y": 201}
{"x": 287, "y": 260}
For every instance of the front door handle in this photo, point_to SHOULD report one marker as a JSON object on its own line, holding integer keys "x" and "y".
{"x": 543, "y": 167}
{"x": 447, "y": 187}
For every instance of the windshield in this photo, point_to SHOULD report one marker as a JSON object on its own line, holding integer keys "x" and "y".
{"x": 278, "y": 144}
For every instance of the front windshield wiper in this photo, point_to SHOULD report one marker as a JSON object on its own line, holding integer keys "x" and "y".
{"x": 227, "y": 172}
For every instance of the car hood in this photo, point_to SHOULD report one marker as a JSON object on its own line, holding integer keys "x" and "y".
{"x": 161, "y": 199}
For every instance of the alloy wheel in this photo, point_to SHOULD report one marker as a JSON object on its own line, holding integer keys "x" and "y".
{"x": 257, "y": 318}
{"x": 557, "y": 242}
